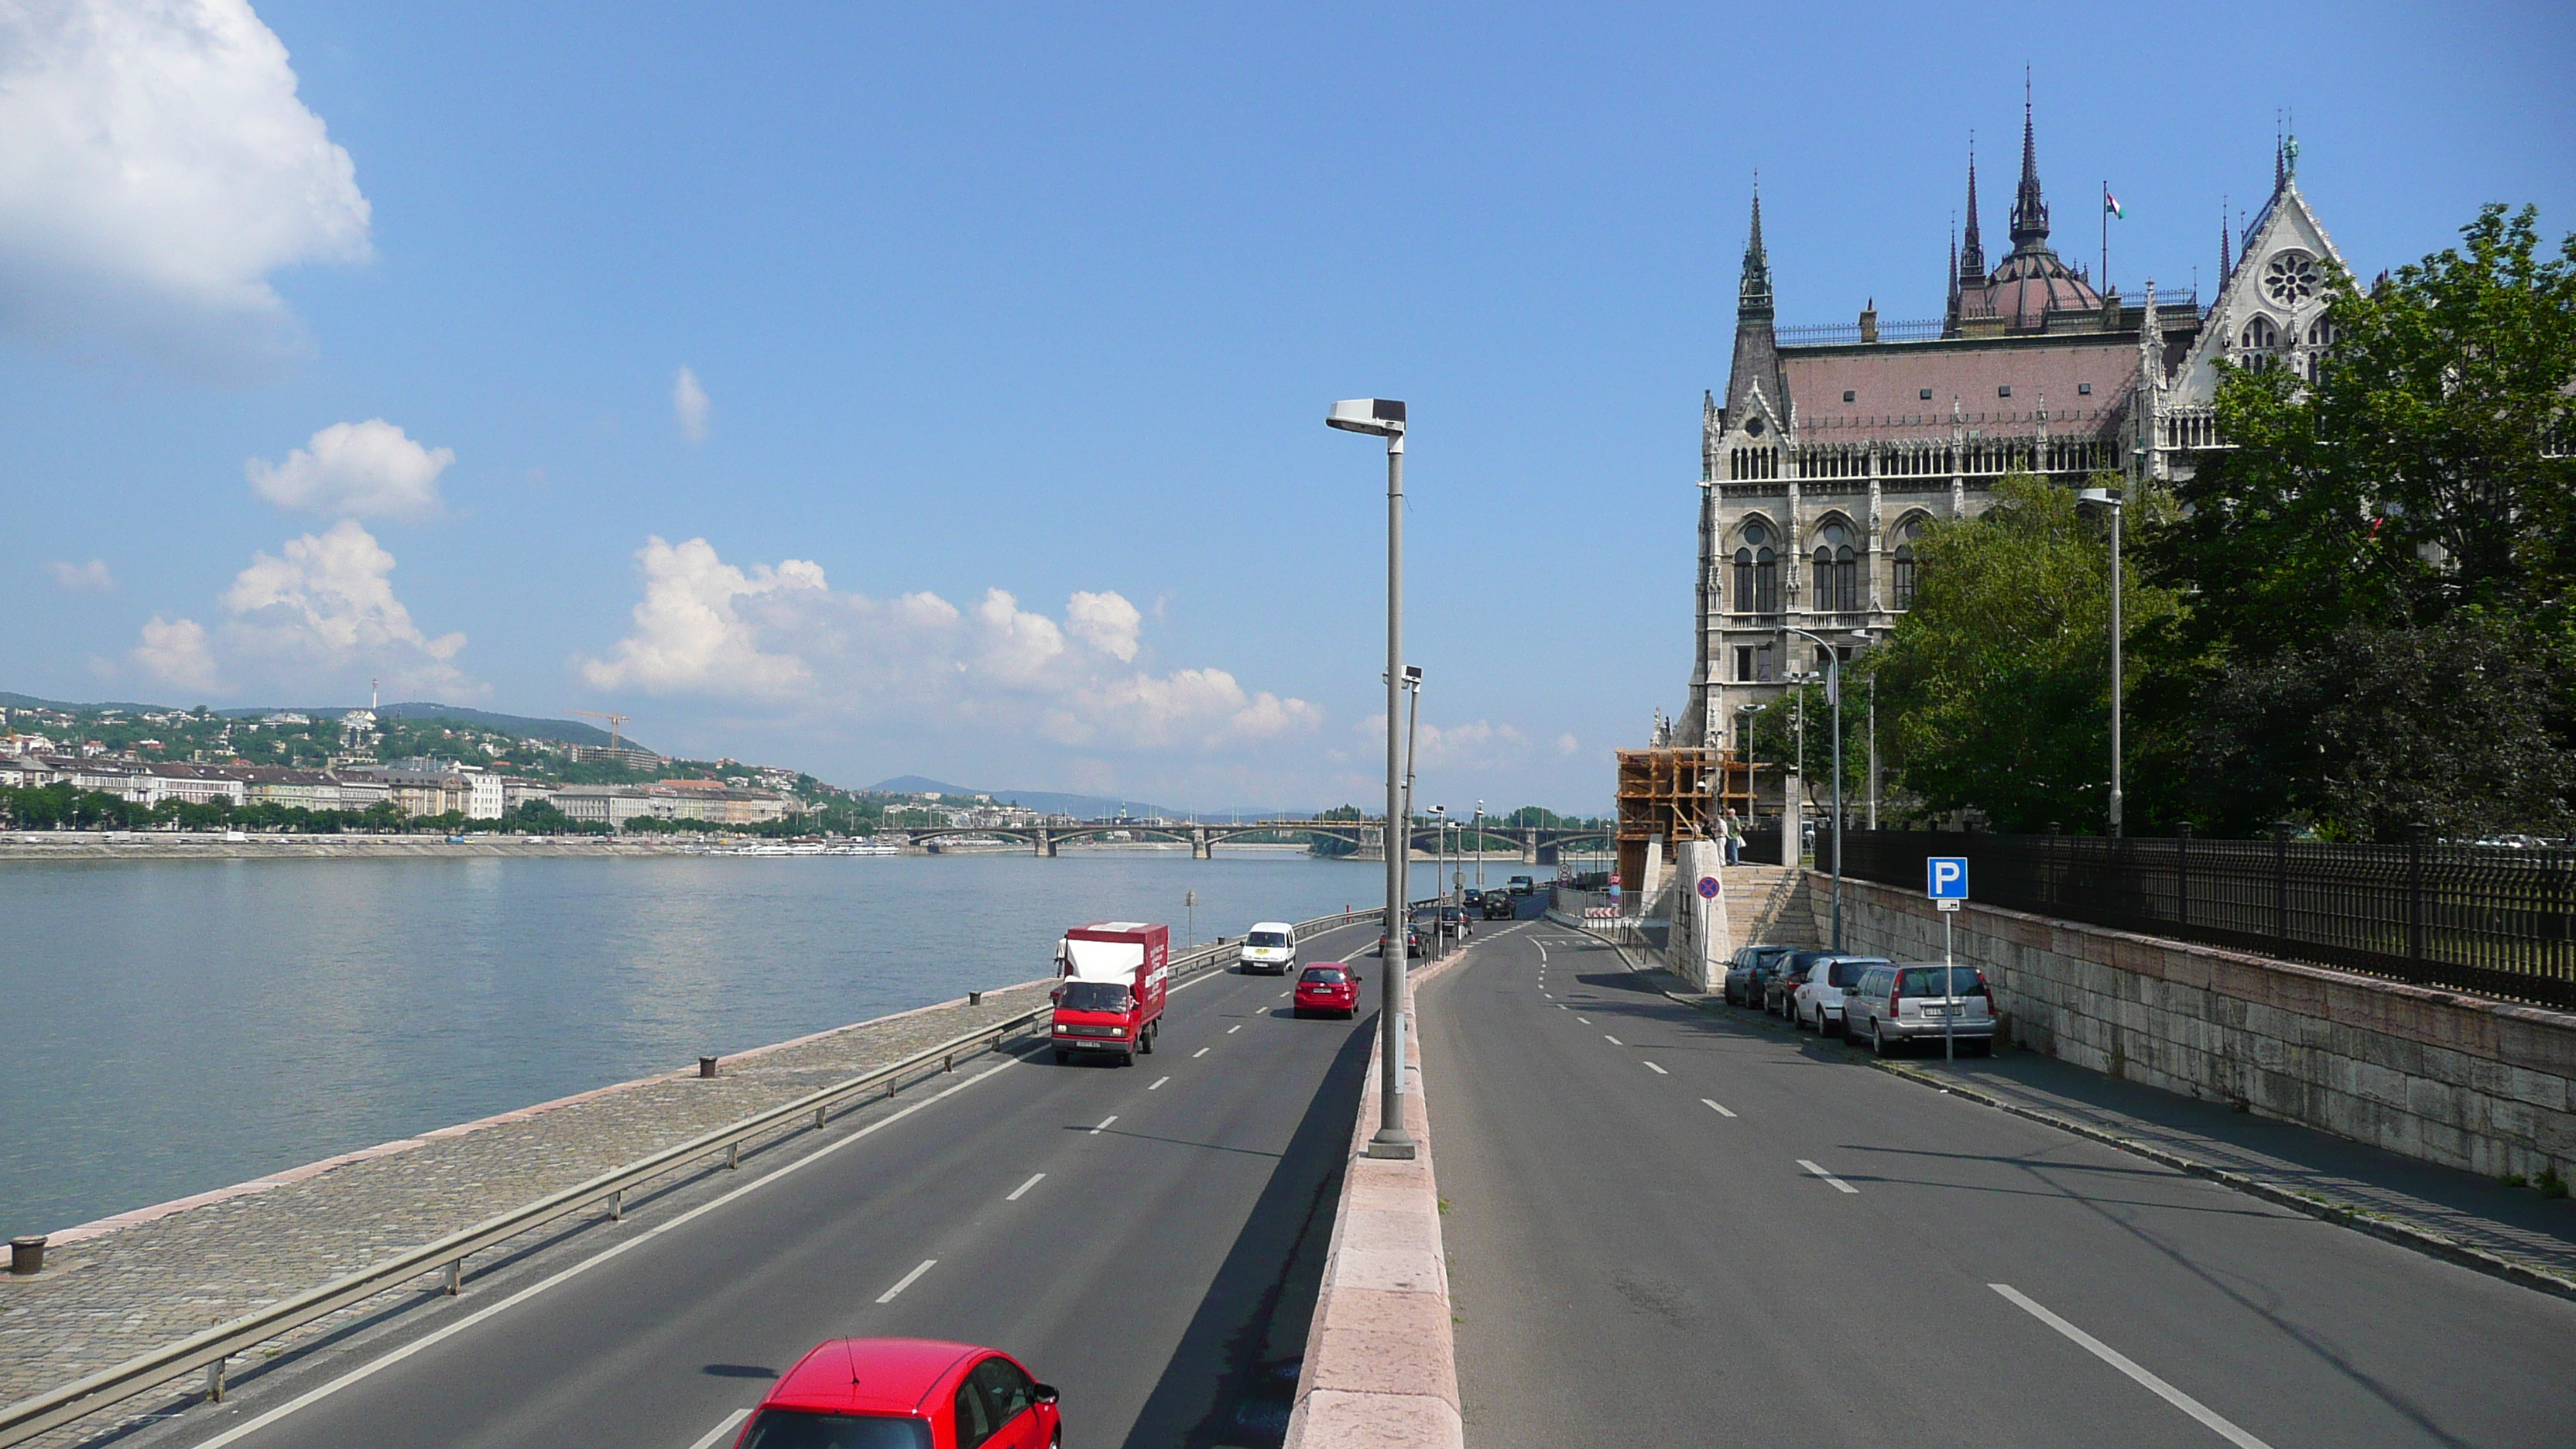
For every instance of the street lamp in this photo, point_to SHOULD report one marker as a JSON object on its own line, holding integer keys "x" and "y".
{"x": 2110, "y": 498}
{"x": 1744, "y": 714}
{"x": 1384, "y": 418}
{"x": 1480, "y": 846}
{"x": 1834, "y": 696}
{"x": 1439, "y": 876}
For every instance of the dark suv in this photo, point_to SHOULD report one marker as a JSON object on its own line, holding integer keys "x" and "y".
{"x": 1786, "y": 975}
{"x": 1752, "y": 967}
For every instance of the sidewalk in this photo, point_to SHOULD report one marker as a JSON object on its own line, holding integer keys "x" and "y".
{"x": 2511, "y": 1232}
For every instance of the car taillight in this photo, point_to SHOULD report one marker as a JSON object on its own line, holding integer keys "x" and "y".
{"x": 1893, "y": 993}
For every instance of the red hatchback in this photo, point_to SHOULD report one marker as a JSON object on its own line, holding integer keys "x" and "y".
{"x": 1327, "y": 988}
{"x": 905, "y": 1393}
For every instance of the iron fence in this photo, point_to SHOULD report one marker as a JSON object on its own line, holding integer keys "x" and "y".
{"x": 2493, "y": 920}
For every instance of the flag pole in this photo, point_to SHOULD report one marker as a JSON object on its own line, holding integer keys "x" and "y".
{"x": 2106, "y": 233}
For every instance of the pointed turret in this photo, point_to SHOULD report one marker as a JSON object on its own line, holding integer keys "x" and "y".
{"x": 2225, "y": 264}
{"x": 1753, "y": 294}
{"x": 1972, "y": 253}
{"x": 2030, "y": 211}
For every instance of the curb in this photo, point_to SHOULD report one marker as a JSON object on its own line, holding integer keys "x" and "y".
{"x": 2360, "y": 1220}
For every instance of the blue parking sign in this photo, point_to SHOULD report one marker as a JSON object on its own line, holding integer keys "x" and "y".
{"x": 1945, "y": 877}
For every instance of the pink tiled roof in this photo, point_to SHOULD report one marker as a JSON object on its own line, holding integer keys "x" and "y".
{"x": 1887, "y": 381}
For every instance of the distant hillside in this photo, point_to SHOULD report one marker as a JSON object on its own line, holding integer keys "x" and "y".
{"x": 564, "y": 730}
{"x": 1057, "y": 802}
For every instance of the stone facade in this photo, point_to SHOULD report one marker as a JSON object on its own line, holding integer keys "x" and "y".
{"x": 2486, "y": 1086}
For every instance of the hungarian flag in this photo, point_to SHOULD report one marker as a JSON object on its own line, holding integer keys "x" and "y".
{"x": 2111, "y": 204}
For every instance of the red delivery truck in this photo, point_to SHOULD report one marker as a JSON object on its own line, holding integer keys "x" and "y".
{"x": 1111, "y": 997}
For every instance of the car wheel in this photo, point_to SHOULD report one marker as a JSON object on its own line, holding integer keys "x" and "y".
{"x": 1982, "y": 1047}
{"x": 1878, "y": 1040}
{"x": 1145, "y": 1041}
{"x": 1062, "y": 1056}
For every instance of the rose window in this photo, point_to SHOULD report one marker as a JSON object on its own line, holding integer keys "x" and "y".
{"x": 2292, "y": 278}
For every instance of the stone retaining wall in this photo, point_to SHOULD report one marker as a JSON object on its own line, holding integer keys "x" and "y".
{"x": 2459, "y": 1080}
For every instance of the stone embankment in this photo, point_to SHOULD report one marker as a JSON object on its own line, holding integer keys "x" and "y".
{"x": 124, "y": 1285}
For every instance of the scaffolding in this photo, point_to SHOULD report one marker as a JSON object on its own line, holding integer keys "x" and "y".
{"x": 1671, "y": 795}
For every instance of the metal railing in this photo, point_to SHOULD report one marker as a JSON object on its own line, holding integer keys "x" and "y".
{"x": 209, "y": 1350}
{"x": 2492, "y": 920}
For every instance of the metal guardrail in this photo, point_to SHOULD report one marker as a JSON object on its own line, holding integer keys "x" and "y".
{"x": 209, "y": 1350}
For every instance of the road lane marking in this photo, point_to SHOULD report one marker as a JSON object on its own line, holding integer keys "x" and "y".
{"x": 1283, "y": 993}
{"x": 1587, "y": 1021}
{"x": 1721, "y": 1111}
{"x": 1104, "y": 1125}
{"x": 723, "y": 1427}
{"x": 1202, "y": 1051}
{"x": 1231, "y": 1030}
{"x": 1158, "y": 1084}
{"x": 1561, "y": 1006}
{"x": 1614, "y": 1041}
{"x": 1024, "y": 1187}
{"x": 1658, "y": 1071}
{"x": 1839, "y": 1184}
{"x": 907, "y": 1281}
{"x": 2126, "y": 1365}
{"x": 429, "y": 1340}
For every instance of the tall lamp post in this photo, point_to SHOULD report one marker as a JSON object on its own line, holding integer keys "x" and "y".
{"x": 1480, "y": 846}
{"x": 2110, "y": 498}
{"x": 1439, "y": 878}
{"x": 1384, "y": 418}
{"x": 1834, "y": 696}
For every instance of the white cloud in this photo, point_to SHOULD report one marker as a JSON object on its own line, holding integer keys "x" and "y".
{"x": 88, "y": 578}
{"x": 322, "y": 607}
{"x": 782, "y": 636}
{"x": 1106, "y": 622}
{"x": 698, "y": 625}
{"x": 174, "y": 651}
{"x": 1477, "y": 745}
{"x": 1567, "y": 744}
{"x": 159, "y": 166}
{"x": 689, "y": 404}
{"x": 368, "y": 469}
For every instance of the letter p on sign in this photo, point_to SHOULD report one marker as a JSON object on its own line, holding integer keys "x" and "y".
{"x": 1945, "y": 877}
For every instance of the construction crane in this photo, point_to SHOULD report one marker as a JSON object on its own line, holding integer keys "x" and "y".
{"x": 614, "y": 720}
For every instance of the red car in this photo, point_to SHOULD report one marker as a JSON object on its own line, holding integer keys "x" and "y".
{"x": 1327, "y": 988}
{"x": 905, "y": 1393}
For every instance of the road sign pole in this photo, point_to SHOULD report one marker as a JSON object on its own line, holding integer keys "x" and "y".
{"x": 1950, "y": 993}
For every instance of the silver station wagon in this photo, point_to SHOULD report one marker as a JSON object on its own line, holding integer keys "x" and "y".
{"x": 1904, "y": 1002}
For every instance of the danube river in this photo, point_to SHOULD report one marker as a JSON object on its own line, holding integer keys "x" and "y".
{"x": 173, "y": 1027}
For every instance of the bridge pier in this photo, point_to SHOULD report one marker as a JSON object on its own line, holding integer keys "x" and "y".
{"x": 1045, "y": 844}
{"x": 1543, "y": 855}
{"x": 1529, "y": 847}
{"x": 1201, "y": 847}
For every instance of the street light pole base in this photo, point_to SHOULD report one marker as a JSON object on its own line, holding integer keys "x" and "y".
{"x": 1391, "y": 1145}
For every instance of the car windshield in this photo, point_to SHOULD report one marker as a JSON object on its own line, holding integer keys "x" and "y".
{"x": 1322, "y": 975}
{"x": 1926, "y": 981}
{"x": 1095, "y": 996}
{"x": 799, "y": 1429}
{"x": 1849, "y": 973}
{"x": 1265, "y": 938}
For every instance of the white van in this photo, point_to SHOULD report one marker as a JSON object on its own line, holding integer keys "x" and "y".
{"x": 1270, "y": 946}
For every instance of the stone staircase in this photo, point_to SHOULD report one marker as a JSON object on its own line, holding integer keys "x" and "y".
{"x": 1770, "y": 905}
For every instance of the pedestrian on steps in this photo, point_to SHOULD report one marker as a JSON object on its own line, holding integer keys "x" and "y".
{"x": 1734, "y": 837}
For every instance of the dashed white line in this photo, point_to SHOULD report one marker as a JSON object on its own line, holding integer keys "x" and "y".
{"x": 1712, "y": 1106}
{"x": 1283, "y": 993}
{"x": 1561, "y": 1006}
{"x": 1158, "y": 1084}
{"x": 1614, "y": 1041}
{"x": 1839, "y": 1184}
{"x": 907, "y": 1280}
{"x": 1104, "y": 1125}
{"x": 1658, "y": 1071}
{"x": 1202, "y": 1051}
{"x": 723, "y": 1427}
{"x": 2124, "y": 1364}
{"x": 1033, "y": 1181}
{"x": 1587, "y": 1021}
{"x": 1231, "y": 1030}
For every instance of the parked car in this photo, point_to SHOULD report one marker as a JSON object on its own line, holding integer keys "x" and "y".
{"x": 1326, "y": 990}
{"x": 1522, "y": 885}
{"x": 1753, "y": 966}
{"x": 1896, "y": 1005}
{"x": 1818, "y": 1000}
{"x": 1791, "y": 970}
{"x": 1500, "y": 907}
{"x": 1271, "y": 947}
{"x": 904, "y": 1393}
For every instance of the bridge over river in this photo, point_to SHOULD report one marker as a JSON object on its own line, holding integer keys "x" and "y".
{"x": 1539, "y": 845}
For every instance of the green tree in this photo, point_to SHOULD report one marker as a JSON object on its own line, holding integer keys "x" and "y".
{"x": 1994, "y": 691}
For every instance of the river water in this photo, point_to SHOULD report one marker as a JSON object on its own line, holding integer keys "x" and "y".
{"x": 171, "y": 1027}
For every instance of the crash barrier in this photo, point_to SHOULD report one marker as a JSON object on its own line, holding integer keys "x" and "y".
{"x": 1381, "y": 1363}
{"x": 209, "y": 1351}
{"x": 2496, "y": 920}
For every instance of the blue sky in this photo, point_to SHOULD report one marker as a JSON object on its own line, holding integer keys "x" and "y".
{"x": 348, "y": 340}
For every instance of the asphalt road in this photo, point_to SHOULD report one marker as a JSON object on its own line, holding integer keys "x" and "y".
{"x": 1667, "y": 1227}
{"x": 1130, "y": 1233}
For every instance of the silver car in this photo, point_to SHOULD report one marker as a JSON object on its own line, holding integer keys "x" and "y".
{"x": 1900, "y": 1003}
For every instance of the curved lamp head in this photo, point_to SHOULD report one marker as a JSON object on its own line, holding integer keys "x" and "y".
{"x": 1380, "y": 416}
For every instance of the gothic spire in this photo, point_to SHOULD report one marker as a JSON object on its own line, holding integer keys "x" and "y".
{"x": 2030, "y": 212}
{"x": 2224, "y": 265}
{"x": 1753, "y": 294}
{"x": 1972, "y": 254}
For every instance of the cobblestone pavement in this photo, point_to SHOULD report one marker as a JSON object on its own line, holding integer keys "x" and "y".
{"x": 124, "y": 1286}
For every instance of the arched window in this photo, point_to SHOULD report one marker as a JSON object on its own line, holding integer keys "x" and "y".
{"x": 1904, "y": 579}
{"x": 1757, "y": 572}
{"x": 1837, "y": 571}
{"x": 2321, "y": 333}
